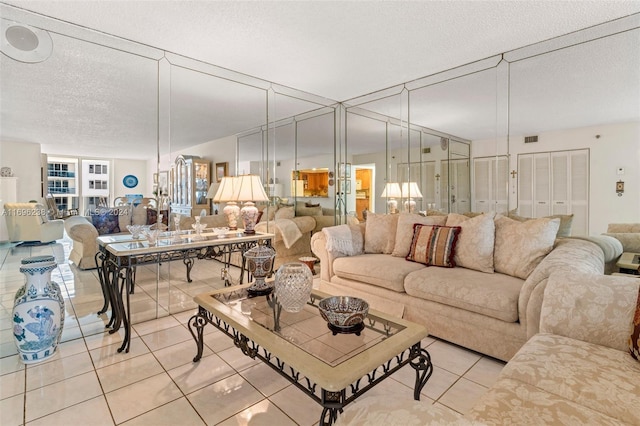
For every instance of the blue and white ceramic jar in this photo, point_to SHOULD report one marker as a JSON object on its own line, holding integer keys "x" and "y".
{"x": 38, "y": 311}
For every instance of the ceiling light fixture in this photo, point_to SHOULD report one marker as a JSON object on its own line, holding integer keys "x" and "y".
{"x": 24, "y": 43}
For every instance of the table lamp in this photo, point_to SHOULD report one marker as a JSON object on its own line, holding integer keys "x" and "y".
{"x": 249, "y": 189}
{"x": 226, "y": 193}
{"x": 410, "y": 191}
{"x": 391, "y": 192}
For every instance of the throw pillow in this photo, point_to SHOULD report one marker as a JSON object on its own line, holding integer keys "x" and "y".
{"x": 404, "y": 232}
{"x": 432, "y": 212}
{"x": 521, "y": 246}
{"x": 105, "y": 223}
{"x": 634, "y": 339}
{"x": 152, "y": 216}
{"x": 285, "y": 213}
{"x": 434, "y": 245}
{"x": 566, "y": 220}
{"x": 380, "y": 233}
{"x": 474, "y": 249}
{"x": 309, "y": 204}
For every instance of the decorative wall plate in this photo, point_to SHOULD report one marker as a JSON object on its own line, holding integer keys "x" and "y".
{"x": 130, "y": 181}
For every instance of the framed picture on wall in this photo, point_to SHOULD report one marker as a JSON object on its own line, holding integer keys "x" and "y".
{"x": 222, "y": 170}
{"x": 163, "y": 183}
{"x": 344, "y": 170}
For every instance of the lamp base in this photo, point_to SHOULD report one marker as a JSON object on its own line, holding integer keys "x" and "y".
{"x": 232, "y": 212}
{"x": 249, "y": 213}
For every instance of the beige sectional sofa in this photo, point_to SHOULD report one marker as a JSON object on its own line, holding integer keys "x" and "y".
{"x": 576, "y": 371}
{"x": 493, "y": 312}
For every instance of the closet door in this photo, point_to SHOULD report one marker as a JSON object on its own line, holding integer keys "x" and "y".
{"x": 525, "y": 185}
{"x": 500, "y": 183}
{"x": 461, "y": 190}
{"x": 541, "y": 185}
{"x": 560, "y": 203}
{"x": 579, "y": 191}
{"x": 481, "y": 185}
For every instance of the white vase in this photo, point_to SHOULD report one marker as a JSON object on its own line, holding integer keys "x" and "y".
{"x": 294, "y": 282}
{"x": 38, "y": 311}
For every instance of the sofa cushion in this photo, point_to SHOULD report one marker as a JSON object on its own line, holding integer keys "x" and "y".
{"x": 380, "y": 233}
{"x": 630, "y": 240}
{"x": 634, "y": 339}
{"x": 304, "y": 209}
{"x": 285, "y": 213}
{"x": 404, "y": 230}
{"x": 380, "y": 270}
{"x": 434, "y": 245}
{"x": 139, "y": 215}
{"x": 494, "y": 295}
{"x": 566, "y": 220}
{"x": 521, "y": 246}
{"x": 571, "y": 379}
{"x": 475, "y": 242}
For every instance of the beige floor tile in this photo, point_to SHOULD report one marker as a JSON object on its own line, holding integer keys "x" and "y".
{"x": 179, "y": 354}
{"x": 178, "y": 412}
{"x": 141, "y": 397}
{"x": 94, "y": 412}
{"x": 155, "y": 325}
{"x": 265, "y": 379}
{"x": 224, "y": 399}
{"x": 12, "y": 384}
{"x": 167, "y": 337}
{"x": 49, "y": 399}
{"x": 12, "y": 410}
{"x": 237, "y": 360}
{"x": 10, "y": 364}
{"x": 264, "y": 413}
{"x": 216, "y": 340}
{"x": 128, "y": 371}
{"x": 183, "y": 317}
{"x": 196, "y": 375}
{"x": 297, "y": 405}
{"x": 71, "y": 347}
{"x": 105, "y": 338}
{"x": 485, "y": 372}
{"x": 47, "y": 373}
{"x": 438, "y": 383}
{"x": 107, "y": 355}
{"x": 451, "y": 357}
{"x": 462, "y": 395}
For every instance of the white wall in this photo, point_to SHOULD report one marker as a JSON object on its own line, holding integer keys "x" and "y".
{"x": 137, "y": 168}
{"x": 25, "y": 160}
{"x": 617, "y": 146}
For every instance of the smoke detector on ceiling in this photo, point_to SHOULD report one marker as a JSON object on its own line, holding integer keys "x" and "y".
{"x": 24, "y": 43}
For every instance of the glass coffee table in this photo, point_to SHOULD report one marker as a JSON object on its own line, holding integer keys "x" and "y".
{"x": 333, "y": 369}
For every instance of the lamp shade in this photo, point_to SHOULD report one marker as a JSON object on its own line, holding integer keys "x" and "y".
{"x": 225, "y": 190}
{"x": 411, "y": 190}
{"x": 391, "y": 190}
{"x": 249, "y": 188}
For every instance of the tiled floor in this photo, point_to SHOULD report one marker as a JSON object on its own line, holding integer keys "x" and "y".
{"x": 156, "y": 383}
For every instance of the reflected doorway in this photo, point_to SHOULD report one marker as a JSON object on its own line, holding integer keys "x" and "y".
{"x": 365, "y": 189}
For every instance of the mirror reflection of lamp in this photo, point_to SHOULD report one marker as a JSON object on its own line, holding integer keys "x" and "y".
{"x": 410, "y": 191}
{"x": 225, "y": 193}
{"x": 249, "y": 189}
{"x": 391, "y": 192}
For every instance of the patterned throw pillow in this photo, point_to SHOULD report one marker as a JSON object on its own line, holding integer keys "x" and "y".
{"x": 105, "y": 223}
{"x": 474, "y": 249}
{"x": 521, "y": 246}
{"x": 434, "y": 245}
{"x": 634, "y": 339}
{"x": 380, "y": 233}
{"x": 404, "y": 230}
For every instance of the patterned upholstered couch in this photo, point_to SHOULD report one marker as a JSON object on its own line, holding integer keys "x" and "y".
{"x": 577, "y": 370}
{"x": 490, "y": 302}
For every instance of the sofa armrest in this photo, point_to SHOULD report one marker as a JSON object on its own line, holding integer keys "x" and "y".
{"x": 305, "y": 223}
{"x": 319, "y": 248}
{"x": 598, "y": 309}
{"x": 569, "y": 255}
{"x": 81, "y": 229}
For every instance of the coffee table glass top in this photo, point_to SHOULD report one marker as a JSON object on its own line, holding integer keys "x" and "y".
{"x": 308, "y": 331}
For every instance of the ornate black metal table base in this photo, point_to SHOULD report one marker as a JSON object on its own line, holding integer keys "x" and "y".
{"x": 332, "y": 402}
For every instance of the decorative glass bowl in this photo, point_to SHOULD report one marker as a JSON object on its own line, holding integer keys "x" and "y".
{"x": 136, "y": 230}
{"x": 344, "y": 314}
{"x": 221, "y": 232}
{"x": 293, "y": 286}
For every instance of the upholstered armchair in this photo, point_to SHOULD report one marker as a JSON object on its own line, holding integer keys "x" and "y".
{"x": 29, "y": 222}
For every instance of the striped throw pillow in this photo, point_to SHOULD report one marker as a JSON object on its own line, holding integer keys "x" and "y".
{"x": 434, "y": 245}
{"x": 634, "y": 339}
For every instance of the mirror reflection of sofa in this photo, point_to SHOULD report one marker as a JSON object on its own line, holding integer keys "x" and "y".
{"x": 29, "y": 222}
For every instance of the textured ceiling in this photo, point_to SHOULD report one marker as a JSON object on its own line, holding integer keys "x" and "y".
{"x": 93, "y": 96}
